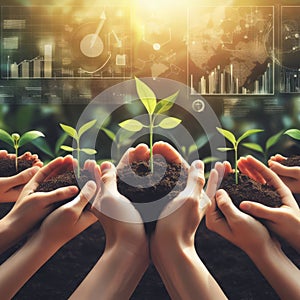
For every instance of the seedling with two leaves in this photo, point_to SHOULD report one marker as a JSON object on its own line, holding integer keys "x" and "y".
{"x": 235, "y": 144}
{"x": 76, "y": 135}
{"x": 154, "y": 109}
{"x": 15, "y": 140}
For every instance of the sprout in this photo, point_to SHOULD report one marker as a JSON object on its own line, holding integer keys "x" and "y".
{"x": 16, "y": 141}
{"x": 154, "y": 108}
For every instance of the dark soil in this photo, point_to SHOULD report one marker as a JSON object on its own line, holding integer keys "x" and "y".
{"x": 164, "y": 184}
{"x": 66, "y": 179}
{"x": 291, "y": 161}
{"x": 250, "y": 190}
{"x": 8, "y": 166}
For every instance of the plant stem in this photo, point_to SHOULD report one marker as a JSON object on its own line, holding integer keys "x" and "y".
{"x": 78, "y": 162}
{"x": 151, "y": 142}
{"x": 16, "y": 159}
{"x": 235, "y": 167}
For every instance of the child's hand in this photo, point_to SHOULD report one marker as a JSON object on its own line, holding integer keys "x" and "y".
{"x": 289, "y": 175}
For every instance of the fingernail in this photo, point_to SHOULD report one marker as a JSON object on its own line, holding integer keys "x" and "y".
{"x": 105, "y": 166}
{"x": 198, "y": 164}
{"x": 245, "y": 206}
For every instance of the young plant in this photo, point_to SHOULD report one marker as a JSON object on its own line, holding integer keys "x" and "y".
{"x": 293, "y": 133}
{"x": 235, "y": 144}
{"x": 16, "y": 141}
{"x": 271, "y": 141}
{"x": 153, "y": 108}
{"x": 76, "y": 135}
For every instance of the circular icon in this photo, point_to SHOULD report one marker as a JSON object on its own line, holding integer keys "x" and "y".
{"x": 198, "y": 105}
{"x": 91, "y": 45}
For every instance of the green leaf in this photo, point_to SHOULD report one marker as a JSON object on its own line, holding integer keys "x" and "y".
{"x": 146, "y": 95}
{"x": 88, "y": 151}
{"x": 60, "y": 141}
{"x": 273, "y": 140}
{"x": 166, "y": 103}
{"x": 253, "y": 146}
{"x": 30, "y": 136}
{"x": 228, "y": 135}
{"x": 192, "y": 148}
{"x": 131, "y": 125}
{"x": 69, "y": 130}
{"x": 6, "y": 137}
{"x": 43, "y": 146}
{"x": 169, "y": 123}
{"x": 225, "y": 149}
{"x": 109, "y": 133}
{"x": 248, "y": 133}
{"x": 86, "y": 127}
{"x": 67, "y": 148}
{"x": 293, "y": 133}
{"x": 209, "y": 159}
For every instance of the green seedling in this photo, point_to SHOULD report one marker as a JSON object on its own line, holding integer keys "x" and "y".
{"x": 235, "y": 144}
{"x": 16, "y": 141}
{"x": 293, "y": 133}
{"x": 76, "y": 135}
{"x": 271, "y": 141}
{"x": 154, "y": 109}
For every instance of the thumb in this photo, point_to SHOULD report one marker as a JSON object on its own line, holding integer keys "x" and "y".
{"x": 229, "y": 210}
{"x": 21, "y": 178}
{"x": 86, "y": 194}
{"x": 257, "y": 210}
{"x": 108, "y": 177}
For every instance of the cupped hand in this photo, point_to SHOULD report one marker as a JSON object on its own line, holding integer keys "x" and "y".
{"x": 224, "y": 218}
{"x": 121, "y": 222}
{"x": 11, "y": 187}
{"x": 284, "y": 220}
{"x": 289, "y": 175}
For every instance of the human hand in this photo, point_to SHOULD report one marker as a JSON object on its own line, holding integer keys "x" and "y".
{"x": 122, "y": 223}
{"x": 181, "y": 217}
{"x": 31, "y": 207}
{"x": 289, "y": 175}
{"x": 11, "y": 187}
{"x": 224, "y": 218}
{"x": 284, "y": 220}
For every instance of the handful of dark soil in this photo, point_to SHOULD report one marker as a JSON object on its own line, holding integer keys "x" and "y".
{"x": 249, "y": 190}
{"x": 291, "y": 161}
{"x": 142, "y": 186}
{"x": 68, "y": 178}
{"x": 8, "y": 165}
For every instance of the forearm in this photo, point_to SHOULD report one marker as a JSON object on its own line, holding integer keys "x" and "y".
{"x": 184, "y": 274}
{"x": 280, "y": 272}
{"x": 115, "y": 275}
{"x": 15, "y": 271}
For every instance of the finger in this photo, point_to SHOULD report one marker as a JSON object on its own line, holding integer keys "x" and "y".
{"x": 20, "y": 179}
{"x": 227, "y": 167}
{"x": 168, "y": 152}
{"x": 125, "y": 159}
{"x": 140, "y": 153}
{"x": 220, "y": 169}
{"x": 284, "y": 170}
{"x": 211, "y": 188}
{"x": 108, "y": 177}
{"x": 60, "y": 194}
{"x": 196, "y": 180}
{"x": 87, "y": 193}
{"x": 258, "y": 210}
{"x": 229, "y": 210}
{"x": 277, "y": 157}
{"x": 248, "y": 170}
{"x": 3, "y": 154}
{"x": 269, "y": 176}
